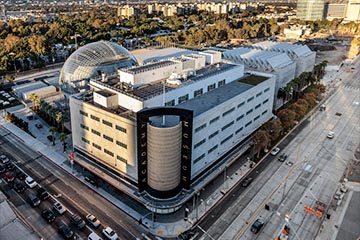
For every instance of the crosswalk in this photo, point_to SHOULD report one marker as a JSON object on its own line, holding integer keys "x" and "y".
{"x": 351, "y": 87}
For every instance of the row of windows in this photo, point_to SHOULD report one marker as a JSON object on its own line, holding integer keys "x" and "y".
{"x": 183, "y": 98}
{"x": 199, "y": 143}
{"x": 199, "y": 158}
{"x": 213, "y": 149}
{"x": 227, "y": 126}
{"x": 228, "y": 111}
{"x": 110, "y": 139}
{"x": 95, "y": 118}
{"x": 105, "y": 150}
{"x": 214, "y": 120}
{"x": 83, "y": 113}
{"x": 107, "y": 123}
{"x": 201, "y": 127}
{"x": 84, "y": 127}
{"x": 226, "y": 139}
{"x": 213, "y": 134}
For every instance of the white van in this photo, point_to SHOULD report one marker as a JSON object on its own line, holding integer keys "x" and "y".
{"x": 94, "y": 236}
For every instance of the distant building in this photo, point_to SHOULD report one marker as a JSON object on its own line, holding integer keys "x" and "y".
{"x": 310, "y": 10}
{"x": 127, "y": 11}
{"x": 353, "y": 10}
{"x": 332, "y": 11}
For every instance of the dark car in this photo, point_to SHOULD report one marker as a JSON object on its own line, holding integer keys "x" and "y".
{"x": 38, "y": 125}
{"x": 33, "y": 200}
{"x": 20, "y": 175}
{"x": 247, "y": 181}
{"x": 77, "y": 221}
{"x": 91, "y": 180}
{"x": 50, "y": 138}
{"x": 257, "y": 225}
{"x": 186, "y": 235}
{"x": 65, "y": 231}
{"x": 43, "y": 194}
{"x": 283, "y": 157}
{"x": 2, "y": 169}
{"x": 30, "y": 117}
{"x": 18, "y": 187}
{"x": 10, "y": 166}
{"x": 48, "y": 215}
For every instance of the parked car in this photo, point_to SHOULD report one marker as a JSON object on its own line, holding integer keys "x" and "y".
{"x": 247, "y": 181}
{"x": 65, "y": 231}
{"x": 257, "y": 225}
{"x": 2, "y": 169}
{"x": 10, "y": 166}
{"x": 94, "y": 236}
{"x": 109, "y": 233}
{"x": 93, "y": 220}
{"x": 283, "y": 157}
{"x": 38, "y": 125}
{"x": 20, "y": 175}
{"x": 343, "y": 188}
{"x": 9, "y": 177}
{"x": 51, "y": 138}
{"x": 43, "y": 194}
{"x": 339, "y": 195}
{"x": 91, "y": 180}
{"x": 77, "y": 221}
{"x": 48, "y": 215}
{"x": 330, "y": 135}
{"x": 4, "y": 158}
{"x": 289, "y": 163}
{"x": 275, "y": 151}
{"x": 33, "y": 200}
{"x": 186, "y": 235}
{"x": 59, "y": 208}
{"x": 30, "y": 182}
{"x": 322, "y": 107}
{"x": 19, "y": 187}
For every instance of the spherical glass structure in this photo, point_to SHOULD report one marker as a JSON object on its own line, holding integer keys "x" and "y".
{"x": 92, "y": 60}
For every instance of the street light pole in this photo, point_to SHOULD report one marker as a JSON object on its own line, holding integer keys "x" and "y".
{"x": 12, "y": 57}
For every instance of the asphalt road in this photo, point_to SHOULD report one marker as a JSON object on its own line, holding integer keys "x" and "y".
{"x": 74, "y": 195}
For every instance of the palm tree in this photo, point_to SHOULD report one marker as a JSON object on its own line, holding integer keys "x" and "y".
{"x": 37, "y": 102}
{"x": 59, "y": 119}
{"x": 52, "y": 130}
{"x": 62, "y": 138}
{"x": 32, "y": 97}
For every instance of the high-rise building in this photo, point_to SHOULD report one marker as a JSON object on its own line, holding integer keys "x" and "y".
{"x": 310, "y": 9}
{"x": 353, "y": 10}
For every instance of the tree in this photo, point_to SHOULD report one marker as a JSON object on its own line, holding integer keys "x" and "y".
{"x": 52, "y": 130}
{"x": 287, "y": 118}
{"x": 9, "y": 77}
{"x": 59, "y": 119}
{"x": 273, "y": 128}
{"x": 260, "y": 141}
{"x": 299, "y": 110}
{"x": 63, "y": 138}
{"x": 37, "y": 44}
{"x": 35, "y": 99}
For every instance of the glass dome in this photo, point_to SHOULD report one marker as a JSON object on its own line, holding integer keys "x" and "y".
{"x": 90, "y": 61}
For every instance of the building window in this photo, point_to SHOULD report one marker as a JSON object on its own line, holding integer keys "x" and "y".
{"x": 110, "y": 139}
{"x": 84, "y": 113}
{"x": 199, "y": 143}
{"x": 198, "y": 92}
{"x": 264, "y": 112}
{"x": 199, "y": 158}
{"x": 170, "y": 103}
{"x": 121, "y": 129}
{"x": 256, "y": 118}
{"x": 84, "y": 127}
{"x": 107, "y": 123}
{"x": 211, "y": 87}
{"x": 227, "y": 125}
{"x": 259, "y": 94}
{"x": 96, "y": 146}
{"x": 121, "y": 144}
{"x": 228, "y": 111}
{"x": 240, "y": 117}
{"x": 239, "y": 130}
{"x": 226, "y": 139}
{"x": 95, "y": 118}
{"x": 250, "y": 99}
{"x": 85, "y": 140}
{"x": 183, "y": 98}
{"x": 221, "y": 83}
{"x": 201, "y": 127}
{"x": 213, "y": 134}
{"x": 248, "y": 112}
{"x": 121, "y": 159}
{"x": 241, "y": 104}
{"x": 265, "y": 101}
{"x": 214, "y": 120}
{"x": 213, "y": 149}
{"x": 257, "y": 106}
{"x": 266, "y": 90}
{"x": 108, "y": 152}
{"x": 248, "y": 124}
{"x": 95, "y": 132}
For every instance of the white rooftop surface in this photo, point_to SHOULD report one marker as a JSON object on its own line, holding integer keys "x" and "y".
{"x": 11, "y": 227}
{"x": 28, "y": 87}
{"x": 297, "y": 49}
{"x": 256, "y": 56}
{"x": 157, "y": 54}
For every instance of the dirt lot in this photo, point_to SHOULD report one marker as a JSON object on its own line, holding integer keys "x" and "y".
{"x": 333, "y": 57}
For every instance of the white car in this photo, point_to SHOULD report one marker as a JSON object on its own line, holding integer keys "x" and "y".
{"x": 275, "y": 151}
{"x": 109, "y": 233}
{"x": 4, "y": 158}
{"x": 59, "y": 208}
{"x": 93, "y": 220}
{"x": 330, "y": 135}
{"x": 30, "y": 182}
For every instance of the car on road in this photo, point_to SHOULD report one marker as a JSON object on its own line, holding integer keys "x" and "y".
{"x": 339, "y": 195}
{"x": 289, "y": 163}
{"x": 77, "y": 221}
{"x": 246, "y": 181}
{"x": 186, "y": 235}
{"x": 109, "y": 233}
{"x": 38, "y": 125}
{"x": 19, "y": 187}
{"x": 48, "y": 215}
{"x": 4, "y": 158}
{"x": 257, "y": 225}
{"x": 59, "y": 208}
{"x": 43, "y": 194}
{"x": 330, "y": 135}
{"x": 93, "y": 220}
{"x": 30, "y": 182}
{"x": 343, "y": 188}
{"x": 275, "y": 151}
{"x": 9, "y": 177}
{"x": 20, "y": 175}
{"x": 322, "y": 107}
{"x": 33, "y": 200}
{"x": 65, "y": 231}
{"x": 283, "y": 157}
